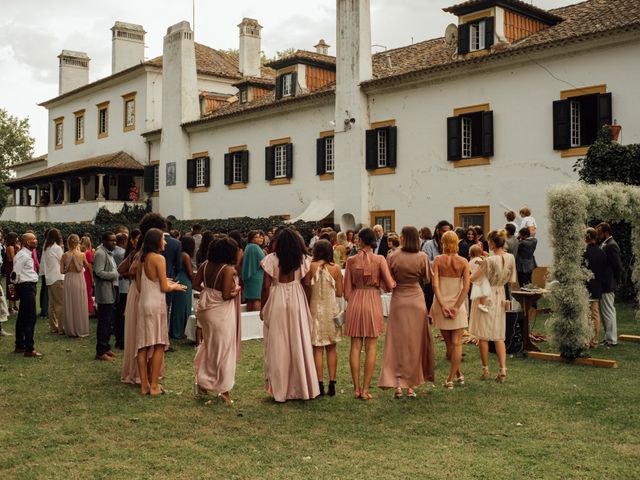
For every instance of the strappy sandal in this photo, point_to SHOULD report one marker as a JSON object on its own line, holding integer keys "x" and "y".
{"x": 411, "y": 393}
{"x": 485, "y": 373}
{"x": 448, "y": 385}
{"x": 160, "y": 391}
{"x": 366, "y": 396}
{"x": 398, "y": 393}
{"x": 460, "y": 379}
{"x": 357, "y": 394}
{"x": 502, "y": 375}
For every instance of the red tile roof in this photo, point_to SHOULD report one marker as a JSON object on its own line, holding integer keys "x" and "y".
{"x": 304, "y": 56}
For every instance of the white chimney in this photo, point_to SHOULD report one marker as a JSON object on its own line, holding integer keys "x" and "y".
{"x": 250, "y": 56}
{"x": 322, "y": 47}
{"x": 73, "y": 70}
{"x": 127, "y": 46}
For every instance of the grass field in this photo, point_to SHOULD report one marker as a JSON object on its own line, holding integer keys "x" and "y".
{"x": 68, "y": 416}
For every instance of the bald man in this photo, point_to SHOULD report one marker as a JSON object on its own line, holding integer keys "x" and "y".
{"x": 382, "y": 247}
{"x": 25, "y": 277}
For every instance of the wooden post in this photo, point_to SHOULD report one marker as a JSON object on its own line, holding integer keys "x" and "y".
{"x": 593, "y": 362}
{"x": 629, "y": 338}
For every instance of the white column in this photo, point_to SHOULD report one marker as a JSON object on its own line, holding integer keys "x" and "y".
{"x": 37, "y": 195}
{"x": 101, "y": 187}
{"x": 82, "y": 199}
{"x": 65, "y": 186}
{"x": 52, "y": 199}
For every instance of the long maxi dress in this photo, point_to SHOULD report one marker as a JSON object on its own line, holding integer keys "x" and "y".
{"x": 407, "y": 360}
{"x": 129, "y": 365}
{"x": 151, "y": 323}
{"x": 217, "y": 355}
{"x": 181, "y": 306}
{"x": 289, "y": 368}
{"x": 76, "y": 315}
{"x": 365, "y": 274}
{"x": 88, "y": 279}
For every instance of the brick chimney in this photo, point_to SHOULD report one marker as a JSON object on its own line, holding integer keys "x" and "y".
{"x": 73, "y": 70}
{"x": 127, "y": 46}
{"x": 250, "y": 56}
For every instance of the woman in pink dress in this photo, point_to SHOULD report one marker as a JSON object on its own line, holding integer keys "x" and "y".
{"x": 366, "y": 274}
{"x": 128, "y": 269}
{"x": 408, "y": 360}
{"x": 449, "y": 309}
{"x": 152, "y": 332}
{"x": 219, "y": 317}
{"x": 289, "y": 369}
{"x": 87, "y": 249}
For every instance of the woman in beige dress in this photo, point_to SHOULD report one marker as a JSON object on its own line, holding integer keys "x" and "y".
{"x": 326, "y": 288}
{"x": 449, "y": 309}
{"x": 500, "y": 269}
{"x": 152, "y": 331}
{"x": 73, "y": 265}
{"x": 219, "y": 318}
{"x": 408, "y": 360}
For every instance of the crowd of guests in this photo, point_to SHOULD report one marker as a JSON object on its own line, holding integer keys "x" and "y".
{"x": 453, "y": 279}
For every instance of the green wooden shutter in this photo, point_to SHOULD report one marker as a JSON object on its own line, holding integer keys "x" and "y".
{"x": 487, "y": 134}
{"x": 244, "y": 160}
{"x": 289, "y": 153}
{"x": 561, "y": 124}
{"x": 605, "y": 111}
{"x": 269, "y": 166}
{"x": 372, "y": 149}
{"x": 392, "y": 147}
{"x": 149, "y": 174}
{"x": 489, "y": 31}
{"x": 191, "y": 173}
{"x": 463, "y": 39}
{"x": 207, "y": 171}
{"x": 228, "y": 168}
{"x": 454, "y": 141}
{"x": 279, "y": 86}
{"x": 321, "y": 156}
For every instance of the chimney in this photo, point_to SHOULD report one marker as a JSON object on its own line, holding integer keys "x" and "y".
{"x": 127, "y": 46}
{"x": 73, "y": 71}
{"x": 250, "y": 57}
{"x": 322, "y": 47}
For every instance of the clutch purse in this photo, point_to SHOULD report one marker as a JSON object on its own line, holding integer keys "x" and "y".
{"x": 339, "y": 319}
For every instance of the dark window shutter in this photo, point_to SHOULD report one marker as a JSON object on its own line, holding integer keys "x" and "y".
{"x": 489, "y": 31}
{"x": 392, "y": 147}
{"x": 454, "y": 142}
{"x": 487, "y": 134}
{"x": 191, "y": 173}
{"x": 561, "y": 125}
{"x": 321, "y": 156}
{"x": 149, "y": 173}
{"x": 228, "y": 168}
{"x": 244, "y": 160}
{"x": 279, "y": 86}
{"x": 463, "y": 39}
{"x": 294, "y": 83}
{"x": 605, "y": 112}
{"x": 289, "y": 150}
{"x": 372, "y": 150}
{"x": 207, "y": 171}
{"x": 269, "y": 163}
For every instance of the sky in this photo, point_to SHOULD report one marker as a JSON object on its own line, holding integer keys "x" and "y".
{"x": 33, "y": 32}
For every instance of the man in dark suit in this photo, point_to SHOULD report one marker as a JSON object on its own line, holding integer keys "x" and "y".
{"x": 463, "y": 246}
{"x": 596, "y": 261}
{"x": 173, "y": 257}
{"x": 382, "y": 247}
{"x": 612, "y": 277}
{"x": 525, "y": 261}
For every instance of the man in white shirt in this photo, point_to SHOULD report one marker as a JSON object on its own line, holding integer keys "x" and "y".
{"x": 26, "y": 279}
{"x": 54, "y": 278}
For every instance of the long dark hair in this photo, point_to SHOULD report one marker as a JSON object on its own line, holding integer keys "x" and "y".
{"x": 201, "y": 255}
{"x": 135, "y": 233}
{"x": 152, "y": 242}
{"x": 368, "y": 237}
{"x": 237, "y": 236}
{"x": 322, "y": 250}
{"x": 12, "y": 238}
{"x": 290, "y": 250}
{"x": 188, "y": 245}
{"x": 54, "y": 237}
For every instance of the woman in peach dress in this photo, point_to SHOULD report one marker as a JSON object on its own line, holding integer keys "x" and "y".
{"x": 219, "y": 317}
{"x": 366, "y": 274}
{"x": 87, "y": 249}
{"x": 449, "y": 309}
{"x": 408, "y": 360}
{"x": 289, "y": 368}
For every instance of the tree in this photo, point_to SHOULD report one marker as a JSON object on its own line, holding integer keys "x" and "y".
{"x": 16, "y": 145}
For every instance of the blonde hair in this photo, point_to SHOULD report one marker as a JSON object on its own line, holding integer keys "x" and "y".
{"x": 449, "y": 242}
{"x": 72, "y": 241}
{"x": 342, "y": 239}
{"x": 525, "y": 211}
{"x": 85, "y": 244}
{"x": 475, "y": 251}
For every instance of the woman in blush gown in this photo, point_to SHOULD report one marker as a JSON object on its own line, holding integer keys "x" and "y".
{"x": 87, "y": 249}
{"x": 219, "y": 317}
{"x": 289, "y": 368}
{"x": 74, "y": 266}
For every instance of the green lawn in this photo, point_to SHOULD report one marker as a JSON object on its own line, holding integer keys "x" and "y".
{"x": 68, "y": 416}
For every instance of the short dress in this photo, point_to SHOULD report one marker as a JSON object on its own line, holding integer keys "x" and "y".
{"x": 365, "y": 275}
{"x": 152, "y": 325}
{"x": 450, "y": 270}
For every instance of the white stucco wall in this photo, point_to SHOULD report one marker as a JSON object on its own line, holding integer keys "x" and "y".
{"x": 426, "y": 187}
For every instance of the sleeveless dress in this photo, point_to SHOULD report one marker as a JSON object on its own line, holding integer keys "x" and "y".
{"x": 76, "y": 314}
{"x": 407, "y": 359}
{"x": 181, "y": 306}
{"x": 89, "y": 283}
{"x": 501, "y": 269}
{"x": 151, "y": 326}
{"x": 289, "y": 368}
{"x": 129, "y": 364}
{"x": 451, "y": 284}
{"x": 217, "y": 355}
{"x": 324, "y": 308}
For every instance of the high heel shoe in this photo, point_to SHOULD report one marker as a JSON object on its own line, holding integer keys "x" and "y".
{"x": 321, "y": 386}
{"x": 460, "y": 379}
{"x": 398, "y": 393}
{"x": 448, "y": 385}
{"x": 502, "y": 375}
{"x": 485, "y": 373}
{"x": 332, "y": 388}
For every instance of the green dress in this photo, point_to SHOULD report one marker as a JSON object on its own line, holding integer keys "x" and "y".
{"x": 180, "y": 306}
{"x": 252, "y": 273}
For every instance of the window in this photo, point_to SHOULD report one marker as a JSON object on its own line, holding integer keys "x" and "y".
{"x": 381, "y": 147}
{"x": 386, "y": 218}
{"x": 279, "y": 161}
{"x": 130, "y": 114}
{"x": 476, "y": 35}
{"x": 470, "y": 216}
{"x": 325, "y": 158}
{"x": 236, "y": 166}
{"x": 152, "y": 178}
{"x": 79, "y": 127}
{"x": 244, "y": 95}
{"x": 470, "y": 135}
{"x": 198, "y": 171}
{"x": 329, "y": 163}
{"x": 286, "y": 85}
{"x": 103, "y": 120}
{"x": 59, "y": 131}
{"x": 578, "y": 118}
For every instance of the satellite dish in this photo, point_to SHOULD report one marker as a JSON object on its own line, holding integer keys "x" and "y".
{"x": 451, "y": 34}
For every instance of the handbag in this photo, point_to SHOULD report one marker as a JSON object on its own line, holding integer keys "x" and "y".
{"x": 338, "y": 320}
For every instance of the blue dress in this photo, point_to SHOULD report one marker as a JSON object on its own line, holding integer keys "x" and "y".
{"x": 252, "y": 273}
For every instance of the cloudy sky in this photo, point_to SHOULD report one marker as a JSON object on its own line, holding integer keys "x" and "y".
{"x": 33, "y": 32}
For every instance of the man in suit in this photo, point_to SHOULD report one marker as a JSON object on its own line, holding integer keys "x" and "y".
{"x": 612, "y": 277}
{"x": 382, "y": 246}
{"x": 25, "y": 277}
{"x": 105, "y": 276}
{"x": 596, "y": 261}
{"x": 463, "y": 246}
{"x": 525, "y": 261}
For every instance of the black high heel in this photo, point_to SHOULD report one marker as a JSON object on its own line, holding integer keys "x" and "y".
{"x": 332, "y": 388}
{"x": 321, "y": 385}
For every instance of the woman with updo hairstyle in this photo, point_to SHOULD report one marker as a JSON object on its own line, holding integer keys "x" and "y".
{"x": 366, "y": 273}
{"x": 73, "y": 265}
{"x": 449, "y": 309}
{"x": 500, "y": 269}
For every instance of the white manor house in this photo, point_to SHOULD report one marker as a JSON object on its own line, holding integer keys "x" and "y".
{"x": 460, "y": 127}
